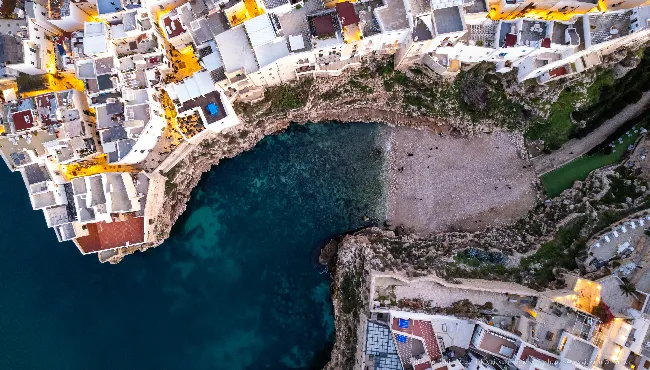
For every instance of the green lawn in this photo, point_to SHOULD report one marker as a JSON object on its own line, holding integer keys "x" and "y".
{"x": 556, "y": 181}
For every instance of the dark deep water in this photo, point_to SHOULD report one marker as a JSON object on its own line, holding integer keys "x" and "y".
{"x": 237, "y": 285}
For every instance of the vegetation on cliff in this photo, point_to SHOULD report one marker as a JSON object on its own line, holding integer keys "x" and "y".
{"x": 478, "y": 99}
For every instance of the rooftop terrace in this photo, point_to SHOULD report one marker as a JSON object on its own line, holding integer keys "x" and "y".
{"x": 366, "y": 12}
{"x": 380, "y": 344}
{"x": 393, "y": 16}
{"x": 608, "y": 26}
{"x": 532, "y": 32}
{"x": 109, "y": 6}
{"x": 477, "y": 6}
{"x": 448, "y": 20}
{"x": 484, "y": 32}
{"x": 580, "y": 352}
{"x": 498, "y": 344}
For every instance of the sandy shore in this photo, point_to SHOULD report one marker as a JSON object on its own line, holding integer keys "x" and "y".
{"x": 442, "y": 183}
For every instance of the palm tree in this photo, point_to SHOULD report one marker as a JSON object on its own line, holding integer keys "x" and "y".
{"x": 627, "y": 289}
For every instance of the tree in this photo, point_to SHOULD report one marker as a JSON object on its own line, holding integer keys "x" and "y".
{"x": 627, "y": 289}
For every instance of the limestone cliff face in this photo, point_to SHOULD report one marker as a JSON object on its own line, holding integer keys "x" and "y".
{"x": 181, "y": 178}
{"x": 350, "y": 289}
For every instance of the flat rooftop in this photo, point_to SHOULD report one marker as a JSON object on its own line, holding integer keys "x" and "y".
{"x": 608, "y": 26}
{"x": 46, "y": 106}
{"x": 419, "y": 7}
{"x": 508, "y": 34}
{"x": 109, "y": 6}
{"x": 295, "y": 23}
{"x": 23, "y": 120}
{"x": 533, "y": 31}
{"x": 104, "y": 65}
{"x": 497, "y": 344}
{"x": 393, "y": 16}
{"x": 530, "y": 352}
{"x": 580, "y": 352}
{"x": 202, "y": 102}
{"x": 380, "y": 344}
{"x": 477, "y": 6}
{"x": 448, "y": 20}
{"x": 236, "y": 51}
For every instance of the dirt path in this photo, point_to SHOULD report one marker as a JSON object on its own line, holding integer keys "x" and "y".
{"x": 437, "y": 183}
{"x": 577, "y": 147}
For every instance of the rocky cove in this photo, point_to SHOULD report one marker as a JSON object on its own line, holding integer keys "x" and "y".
{"x": 371, "y": 100}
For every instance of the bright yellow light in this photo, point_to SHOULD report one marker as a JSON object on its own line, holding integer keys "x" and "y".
{"x": 187, "y": 50}
{"x": 496, "y": 9}
{"x": 92, "y": 167}
{"x": 599, "y": 287}
{"x": 162, "y": 14}
{"x": 184, "y": 62}
{"x": 243, "y": 11}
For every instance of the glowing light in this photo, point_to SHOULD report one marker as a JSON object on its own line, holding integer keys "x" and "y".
{"x": 92, "y": 167}
{"x": 499, "y": 12}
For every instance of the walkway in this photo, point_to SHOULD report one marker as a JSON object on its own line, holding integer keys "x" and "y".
{"x": 577, "y": 147}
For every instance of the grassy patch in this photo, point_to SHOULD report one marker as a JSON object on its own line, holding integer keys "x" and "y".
{"x": 558, "y": 180}
{"x": 605, "y": 97}
{"x": 556, "y": 130}
{"x": 284, "y": 98}
{"x": 559, "y": 252}
{"x": 358, "y": 86}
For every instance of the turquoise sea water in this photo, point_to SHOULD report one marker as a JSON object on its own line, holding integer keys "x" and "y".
{"x": 237, "y": 286}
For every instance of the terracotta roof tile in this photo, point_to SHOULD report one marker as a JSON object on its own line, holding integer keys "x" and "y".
{"x": 110, "y": 235}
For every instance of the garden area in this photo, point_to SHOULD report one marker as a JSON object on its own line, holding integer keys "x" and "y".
{"x": 605, "y": 97}
{"x": 556, "y": 181}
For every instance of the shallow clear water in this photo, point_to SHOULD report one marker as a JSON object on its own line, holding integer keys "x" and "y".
{"x": 237, "y": 285}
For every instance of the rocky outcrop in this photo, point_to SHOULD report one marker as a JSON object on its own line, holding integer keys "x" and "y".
{"x": 351, "y": 298}
{"x": 506, "y": 253}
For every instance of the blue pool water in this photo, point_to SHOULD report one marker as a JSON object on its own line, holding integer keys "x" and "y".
{"x": 237, "y": 285}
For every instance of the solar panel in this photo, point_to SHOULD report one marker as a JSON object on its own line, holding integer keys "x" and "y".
{"x": 404, "y": 324}
{"x": 401, "y": 338}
